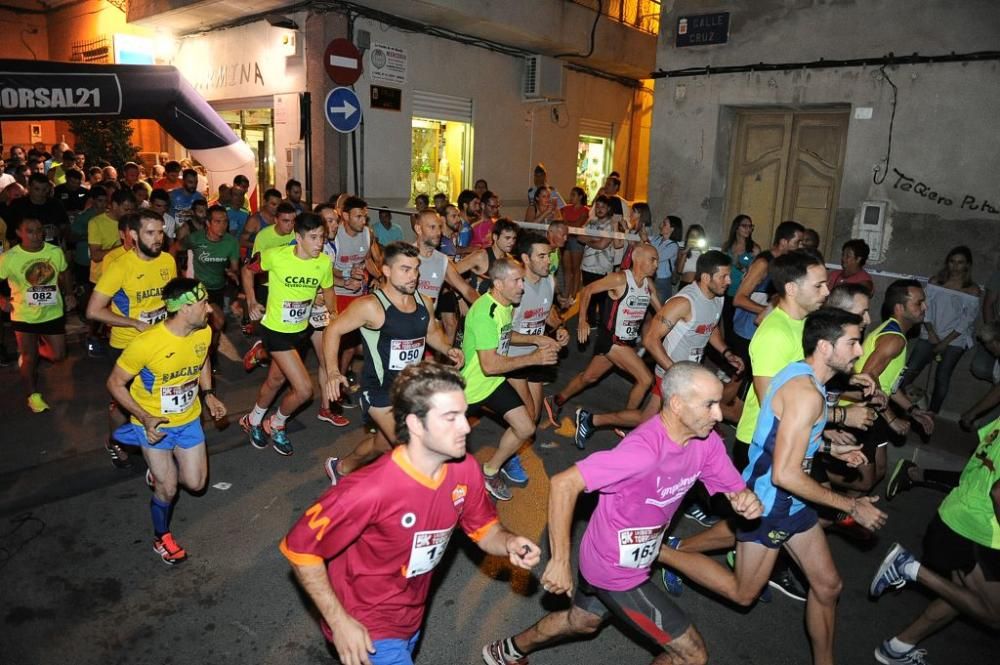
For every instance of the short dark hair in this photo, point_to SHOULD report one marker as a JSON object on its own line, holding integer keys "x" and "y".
{"x": 465, "y": 198}
{"x": 40, "y": 178}
{"x": 123, "y": 196}
{"x": 787, "y": 230}
{"x": 27, "y": 218}
{"x": 96, "y": 192}
{"x": 320, "y": 207}
{"x": 189, "y": 173}
{"x": 199, "y": 202}
{"x": 68, "y": 155}
{"x": 271, "y": 194}
{"x": 709, "y": 262}
{"x": 75, "y": 174}
{"x": 285, "y": 208}
{"x": 422, "y": 197}
{"x": 413, "y": 389}
{"x": 354, "y": 202}
{"x": 159, "y": 195}
{"x": 527, "y": 240}
{"x": 842, "y": 295}
{"x": 791, "y": 267}
{"x": 292, "y": 183}
{"x": 215, "y": 208}
{"x": 241, "y": 181}
{"x": 859, "y": 248}
{"x": 305, "y": 221}
{"x": 898, "y": 293}
{"x": 487, "y": 195}
{"x": 440, "y": 195}
{"x": 135, "y": 221}
{"x": 603, "y": 198}
{"x": 616, "y": 181}
{"x": 504, "y": 224}
{"x": 581, "y": 193}
{"x": 826, "y": 324}
{"x": 398, "y": 248}
{"x": 485, "y": 184}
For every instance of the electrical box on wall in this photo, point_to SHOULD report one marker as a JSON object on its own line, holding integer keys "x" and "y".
{"x": 543, "y": 78}
{"x": 870, "y": 226}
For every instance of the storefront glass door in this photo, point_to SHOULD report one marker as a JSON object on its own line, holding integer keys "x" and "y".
{"x": 256, "y": 128}
{"x": 441, "y": 159}
{"x": 593, "y": 162}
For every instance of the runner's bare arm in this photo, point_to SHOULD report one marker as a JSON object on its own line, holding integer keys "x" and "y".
{"x": 454, "y": 278}
{"x": 719, "y": 344}
{"x": 755, "y": 275}
{"x": 118, "y": 387}
{"x": 564, "y": 490}
{"x": 437, "y": 339}
{"x": 477, "y": 262}
{"x": 667, "y": 316}
{"x": 247, "y": 272}
{"x": 215, "y": 407}
{"x": 609, "y": 282}
{"x": 252, "y": 226}
{"x": 99, "y": 309}
{"x": 521, "y": 551}
{"x": 365, "y": 311}
{"x": 350, "y": 637}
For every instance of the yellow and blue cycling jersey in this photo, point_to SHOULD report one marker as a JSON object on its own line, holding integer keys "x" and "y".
{"x": 135, "y": 288}
{"x": 777, "y": 502}
{"x": 167, "y": 368}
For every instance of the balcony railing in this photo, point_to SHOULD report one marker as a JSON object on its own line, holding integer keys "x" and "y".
{"x": 643, "y": 15}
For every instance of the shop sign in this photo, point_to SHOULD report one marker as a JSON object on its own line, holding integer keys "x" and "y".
{"x": 388, "y": 64}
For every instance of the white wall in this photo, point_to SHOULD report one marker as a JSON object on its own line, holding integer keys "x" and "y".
{"x": 509, "y": 137}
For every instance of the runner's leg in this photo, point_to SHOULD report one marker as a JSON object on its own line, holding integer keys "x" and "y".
{"x": 811, "y": 552}
{"x": 520, "y": 429}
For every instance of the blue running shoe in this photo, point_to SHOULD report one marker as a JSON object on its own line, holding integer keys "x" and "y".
{"x": 584, "y": 427}
{"x": 513, "y": 471}
{"x": 258, "y": 439}
{"x": 672, "y": 581}
{"x": 279, "y": 438}
{"x": 892, "y": 572}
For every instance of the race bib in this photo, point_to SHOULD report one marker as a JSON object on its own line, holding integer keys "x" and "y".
{"x": 178, "y": 399}
{"x": 41, "y": 296}
{"x": 695, "y": 355}
{"x": 503, "y": 347}
{"x": 629, "y": 322}
{"x": 319, "y": 317}
{"x": 638, "y": 548}
{"x": 426, "y": 552}
{"x": 532, "y": 327}
{"x": 405, "y": 352}
{"x": 154, "y": 316}
{"x": 295, "y": 311}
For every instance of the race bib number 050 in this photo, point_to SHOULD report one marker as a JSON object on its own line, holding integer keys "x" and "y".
{"x": 405, "y": 352}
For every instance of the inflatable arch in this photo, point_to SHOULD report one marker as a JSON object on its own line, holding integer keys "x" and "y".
{"x": 66, "y": 90}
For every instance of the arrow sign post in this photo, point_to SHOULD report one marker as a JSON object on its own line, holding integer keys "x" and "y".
{"x": 343, "y": 110}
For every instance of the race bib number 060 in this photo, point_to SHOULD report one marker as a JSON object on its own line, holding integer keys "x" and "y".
{"x": 639, "y": 547}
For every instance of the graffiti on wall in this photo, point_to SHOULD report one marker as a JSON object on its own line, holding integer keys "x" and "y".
{"x": 969, "y": 202}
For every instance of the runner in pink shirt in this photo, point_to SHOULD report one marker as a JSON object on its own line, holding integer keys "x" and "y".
{"x": 641, "y": 483}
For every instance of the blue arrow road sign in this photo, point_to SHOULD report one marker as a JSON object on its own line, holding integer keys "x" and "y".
{"x": 343, "y": 110}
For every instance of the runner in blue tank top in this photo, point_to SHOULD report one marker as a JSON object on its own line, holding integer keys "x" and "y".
{"x": 787, "y": 436}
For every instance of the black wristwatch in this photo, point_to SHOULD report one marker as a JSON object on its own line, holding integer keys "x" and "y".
{"x": 205, "y": 393}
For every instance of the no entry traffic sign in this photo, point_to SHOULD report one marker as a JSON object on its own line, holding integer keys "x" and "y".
{"x": 342, "y": 60}
{"x": 343, "y": 110}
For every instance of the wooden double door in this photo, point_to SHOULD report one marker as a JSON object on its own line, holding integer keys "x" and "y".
{"x": 787, "y": 164}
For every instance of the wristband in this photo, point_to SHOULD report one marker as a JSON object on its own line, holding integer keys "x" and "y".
{"x": 205, "y": 393}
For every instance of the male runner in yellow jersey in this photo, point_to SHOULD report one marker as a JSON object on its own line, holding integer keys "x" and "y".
{"x": 296, "y": 272}
{"x": 128, "y": 297}
{"x": 167, "y": 367}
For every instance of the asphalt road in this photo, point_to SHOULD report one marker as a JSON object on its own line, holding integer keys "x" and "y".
{"x": 80, "y": 584}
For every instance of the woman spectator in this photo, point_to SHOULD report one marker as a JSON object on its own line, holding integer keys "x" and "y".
{"x": 575, "y": 214}
{"x": 543, "y": 208}
{"x": 952, "y": 307}
{"x": 742, "y": 249}
{"x": 687, "y": 259}
{"x": 667, "y": 244}
{"x": 853, "y": 257}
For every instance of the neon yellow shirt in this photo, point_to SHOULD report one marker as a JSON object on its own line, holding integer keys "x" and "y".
{"x": 488, "y": 326}
{"x": 102, "y": 230}
{"x": 167, "y": 368}
{"x": 292, "y": 285}
{"x": 268, "y": 238}
{"x": 34, "y": 282}
{"x": 775, "y": 344}
{"x": 135, "y": 287}
{"x": 968, "y": 509}
{"x": 889, "y": 378}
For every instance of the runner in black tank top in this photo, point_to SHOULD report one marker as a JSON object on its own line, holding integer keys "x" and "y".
{"x": 479, "y": 262}
{"x": 396, "y": 325}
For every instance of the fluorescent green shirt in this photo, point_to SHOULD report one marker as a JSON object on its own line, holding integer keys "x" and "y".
{"x": 292, "y": 287}
{"x": 269, "y": 238}
{"x": 775, "y": 344}
{"x": 488, "y": 326}
{"x": 34, "y": 282}
{"x": 968, "y": 509}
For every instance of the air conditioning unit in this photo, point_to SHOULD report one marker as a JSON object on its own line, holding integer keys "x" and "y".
{"x": 543, "y": 78}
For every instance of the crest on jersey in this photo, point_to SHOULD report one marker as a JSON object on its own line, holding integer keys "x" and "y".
{"x": 458, "y": 494}
{"x": 164, "y": 274}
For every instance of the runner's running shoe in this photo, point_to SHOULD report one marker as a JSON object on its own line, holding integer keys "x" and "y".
{"x": 672, "y": 581}
{"x": 330, "y": 466}
{"x": 497, "y": 487}
{"x": 251, "y": 358}
{"x": 169, "y": 550}
{"x": 584, "y": 427}
{"x": 899, "y": 481}
{"x": 698, "y": 514}
{"x": 335, "y": 419}
{"x": 514, "y": 471}
{"x": 493, "y": 654}
{"x": 785, "y": 581}
{"x": 36, "y": 403}
{"x": 118, "y": 455}
{"x": 892, "y": 571}
{"x": 279, "y": 438}
{"x": 258, "y": 438}
{"x": 886, "y": 655}
{"x": 552, "y": 409}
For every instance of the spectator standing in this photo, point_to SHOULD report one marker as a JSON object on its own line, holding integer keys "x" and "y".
{"x": 853, "y": 257}
{"x": 575, "y": 215}
{"x": 386, "y": 231}
{"x": 667, "y": 244}
{"x": 742, "y": 249}
{"x": 695, "y": 243}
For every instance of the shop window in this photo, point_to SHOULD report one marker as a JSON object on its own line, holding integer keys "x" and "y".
{"x": 593, "y": 163}
{"x": 256, "y": 127}
{"x": 441, "y": 160}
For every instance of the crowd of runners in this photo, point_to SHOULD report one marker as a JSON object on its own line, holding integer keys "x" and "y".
{"x": 470, "y": 320}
